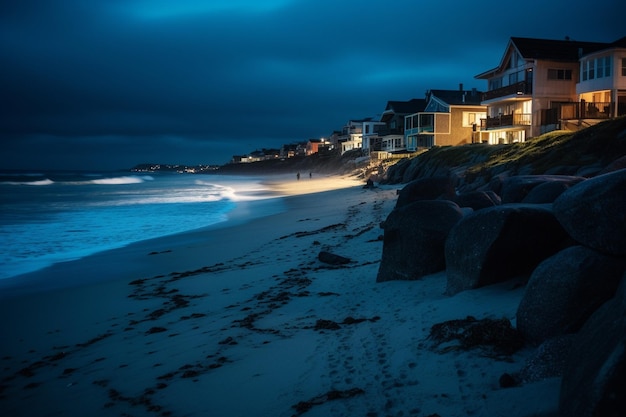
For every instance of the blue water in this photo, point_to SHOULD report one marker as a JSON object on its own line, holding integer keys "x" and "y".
{"x": 54, "y": 217}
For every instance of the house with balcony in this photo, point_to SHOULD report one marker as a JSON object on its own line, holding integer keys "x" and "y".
{"x": 450, "y": 118}
{"x": 529, "y": 86}
{"x": 601, "y": 88}
{"x": 387, "y": 135}
{"x": 372, "y": 129}
{"x": 351, "y": 136}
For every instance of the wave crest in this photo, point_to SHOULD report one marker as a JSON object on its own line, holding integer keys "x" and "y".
{"x": 118, "y": 180}
{"x": 45, "y": 181}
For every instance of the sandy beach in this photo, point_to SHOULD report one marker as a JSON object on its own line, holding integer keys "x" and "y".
{"x": 243, "y": 319}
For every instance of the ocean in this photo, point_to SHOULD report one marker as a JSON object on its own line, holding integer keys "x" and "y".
{"x": 50, "y": 217}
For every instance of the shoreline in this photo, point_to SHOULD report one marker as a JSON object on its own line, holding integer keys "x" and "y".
{"x": 282, "y": 186}
{"x": 246, "y": 321}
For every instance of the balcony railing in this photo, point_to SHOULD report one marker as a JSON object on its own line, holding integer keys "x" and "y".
{"x": 520, "y": 88}
{"x": 506, "y": 120}
{"x": 585, "y": 110}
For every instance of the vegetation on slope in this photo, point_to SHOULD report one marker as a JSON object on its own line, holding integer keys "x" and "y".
{"x": 583, "y": 153}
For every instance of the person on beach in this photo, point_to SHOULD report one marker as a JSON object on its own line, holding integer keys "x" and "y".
{"x": 310, "y": 175}
{"x": 298, "y": 176}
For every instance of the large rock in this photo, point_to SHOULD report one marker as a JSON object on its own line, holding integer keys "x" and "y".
{"x": 495, "y": 244}
{"x": 594, "y": 379}
{"x": 564, "y": 290}
{"x": 594, "y": 212}
{"x": 414, "y": 238}
{"x": 547, "y": 360}
{"x": 619, "y": 163}
{"x": 548, "y": 191}
{"x": 332, "y": 259}
{"x": 477, "y": 200}
{"x": 516, "y": 189}
{"x": 432, "y": 188}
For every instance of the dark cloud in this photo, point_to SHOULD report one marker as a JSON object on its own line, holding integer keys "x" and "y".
{"x": 228, "y": 77}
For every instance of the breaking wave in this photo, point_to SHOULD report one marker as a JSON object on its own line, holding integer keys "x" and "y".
{"x": 120, "y": 180}
{"x": 31, "y": 180}
{"x": 46, "y": 181}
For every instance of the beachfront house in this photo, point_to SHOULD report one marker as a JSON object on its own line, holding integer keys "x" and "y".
{"x": 387, "y": 135}
{"x": 293, "y": 149}
{"x": 371, "y": 131}
{"x": 314, "y": 146}
{"x": 527, "y": 90}
{"x": 451, "y": 117}
{"x": 601, "y": 89}
{"x": 351, "y": 136}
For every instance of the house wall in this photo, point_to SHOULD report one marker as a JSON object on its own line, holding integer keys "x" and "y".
{"x": 369, "y": 130}
{"x": 456, "y": 130}
{"x": 394, "y": 143}
{"x": 620, "y": 68}
{"x": 355, "y": 142}
{"x": 560, "y": 90}
{"x": 547, "y": 91}
{"x": 615, "y": 81}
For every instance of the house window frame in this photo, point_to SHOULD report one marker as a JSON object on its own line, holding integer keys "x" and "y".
{"x": 495, "y": 83}
{"x": 471, "y": 118}
{"x": 588, "y": 69}
{"x": 560, "y": 74}
{"x": 603, "y": 67}
{"x": 608, "y": 65}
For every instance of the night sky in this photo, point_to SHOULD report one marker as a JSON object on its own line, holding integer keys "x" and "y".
{"x": 107, "y": 84}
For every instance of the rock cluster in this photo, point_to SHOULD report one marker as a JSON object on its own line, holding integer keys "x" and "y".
{"x": 566, "y": 234}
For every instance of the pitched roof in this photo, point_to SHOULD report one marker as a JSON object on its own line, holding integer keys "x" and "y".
{"x": 557, "y": 50}
{"x": 406, "y": 107}
{"x": 458, "y": 97}
{"x": 620, "y": 43}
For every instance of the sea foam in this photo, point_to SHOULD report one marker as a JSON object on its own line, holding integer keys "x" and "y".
{"x": 77, "y": 215}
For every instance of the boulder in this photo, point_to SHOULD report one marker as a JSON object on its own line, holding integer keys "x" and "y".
{"x": 548, "y": 360}
{"x": 432, "y": 188}
{"x": 498, "y": 243}
{"x": 414, "y": 238}
{"x": 332, "y": 259}
{"x": 548, "y": 191}
{"x": 619, "y": 163}
{"x": 516, "y": 189}
{"x": 564, "y": 290}
{"x": 594, "y": 378}
{"x": 593, "y": 212}
{"x": 478, "y": 199}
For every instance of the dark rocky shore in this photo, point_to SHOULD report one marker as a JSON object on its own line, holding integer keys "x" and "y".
{"x": 551, "y": 212}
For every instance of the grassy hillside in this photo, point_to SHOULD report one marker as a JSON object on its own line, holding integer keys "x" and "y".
{"x": 584, "y": 153}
